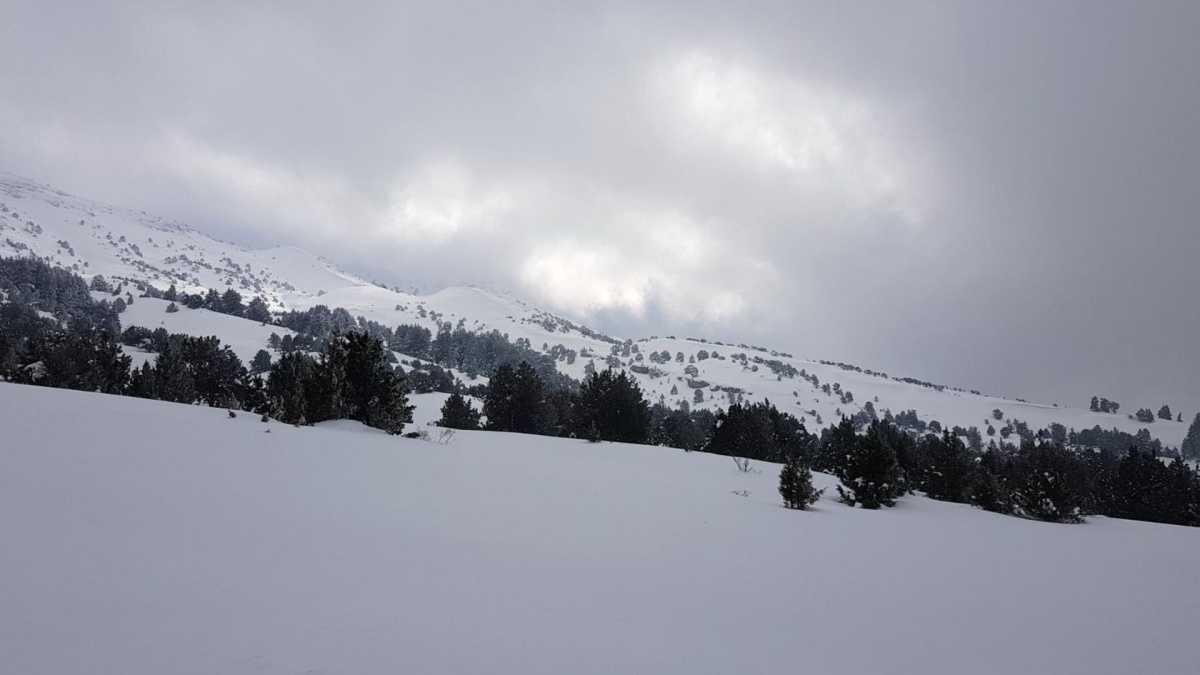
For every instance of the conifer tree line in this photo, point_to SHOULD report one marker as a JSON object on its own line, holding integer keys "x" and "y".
{"x": 53, "y": 333}
{"x": 876, "y": 463}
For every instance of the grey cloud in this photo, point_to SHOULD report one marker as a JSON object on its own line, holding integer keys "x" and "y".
{"x": 995, "y": 195}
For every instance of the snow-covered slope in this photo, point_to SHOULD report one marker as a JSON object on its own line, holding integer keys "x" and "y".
{"x": 146, "y": 537}
{"x": 93, "y": 238}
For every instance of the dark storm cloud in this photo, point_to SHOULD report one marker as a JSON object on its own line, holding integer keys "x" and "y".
{"x": 998, "y": 195}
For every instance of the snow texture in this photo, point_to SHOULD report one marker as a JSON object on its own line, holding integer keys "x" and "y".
{"x": 147, "y": 538}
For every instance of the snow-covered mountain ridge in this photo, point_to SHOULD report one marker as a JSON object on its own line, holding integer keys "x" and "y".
{"x": 92, "y": 238}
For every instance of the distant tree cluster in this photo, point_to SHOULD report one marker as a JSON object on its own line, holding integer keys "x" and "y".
{"x": 1101, "y": 404}
{"x": 230, "y": 302}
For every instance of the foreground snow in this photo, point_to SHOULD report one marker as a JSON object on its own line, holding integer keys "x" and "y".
{"x": 143, "y": 537}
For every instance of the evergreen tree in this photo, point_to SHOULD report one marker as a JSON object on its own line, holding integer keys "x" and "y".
{"x": 1191, "y": 443}
{"x": 610, "y": 407}
{"x": 192, "y": 301}
{"x": 1164, "y": 413}
{"x": 870, "y": 475}
{"x": 837, "y": 444}
{"x": 171, "y": 294}
{"x": 1139, "y": 489}
{"x": 251, "y": 393}
{"x": 948, "y": 467}
{"x": 743, "y": 431}
{"x": 257, "y": 310}
{"x": 457, "y": 413}
{"x": 142, "y": 382}
{"x": 172, "y": 379}
{"x": 87, "y": 362}
{"x": 795, "y": 484}
{"x": 261, "y": 362}
{"x": 374, "y": 393}
{"x": 988, "y": 490}
{"x": 215, "y": 370}
{"x": 287, "y": 387}
{"x": 515, "y": 400}
{"x": 231, "y": 303}
{"x": 212, "y": 301}
{"x": 1047, "y": 483}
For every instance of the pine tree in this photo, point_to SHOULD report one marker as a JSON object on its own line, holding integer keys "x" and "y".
{"x": 257, "y": 310}
{"x": 212, "y": 301}
{"x": 515, "y": 400}
{"x": 610, "y": 407}
{"x": 287, "y": 387}
{"x": 795, "y": 485}
{"x": 172, "y": 308}
{"x": 1164, "y": 413}
{"x": 870, "y": 475}
{"x": 1191, "y": 443}
{"x": 373, "y": 393}
{"x": 1047, "y": 483}
{"x": 261, "y": 362}
{"x": 457, "y": 413}
{"x": 988, "y": 490}
{"x": 948, "y": 467}
{"x": 231, "y": 303}
{"x": 741, "y": 431}
{"x": 172, "y": 379}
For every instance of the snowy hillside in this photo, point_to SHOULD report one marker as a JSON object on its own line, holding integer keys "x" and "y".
{"x": 92, "y": 238}
{"x": 147, "y": 537}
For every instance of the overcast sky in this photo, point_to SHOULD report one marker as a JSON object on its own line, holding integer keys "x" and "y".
{"x": 999, "y": 195}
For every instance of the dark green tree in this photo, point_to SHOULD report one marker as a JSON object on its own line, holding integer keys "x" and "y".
{"x": 947, "y": 467}
{"x": 1047, "y": 482}
{"x": 458, "y": 413}
{"x": 795, "y": 484}
{"x": 261, "y": 362}
{"x": 1191, "y": 443}
{"x": 231, "y": 303}
{"x": 257, "y": 310}
{"x": 870, "y": 475}
{"x": 515, "y": 400}
{"x": 287, "y": 387}
{"x": 610, "y": 407}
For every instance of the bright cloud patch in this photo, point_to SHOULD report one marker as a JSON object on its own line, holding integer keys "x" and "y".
{"x": 443, "y": 199}
{"x": 830, "y": 142}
